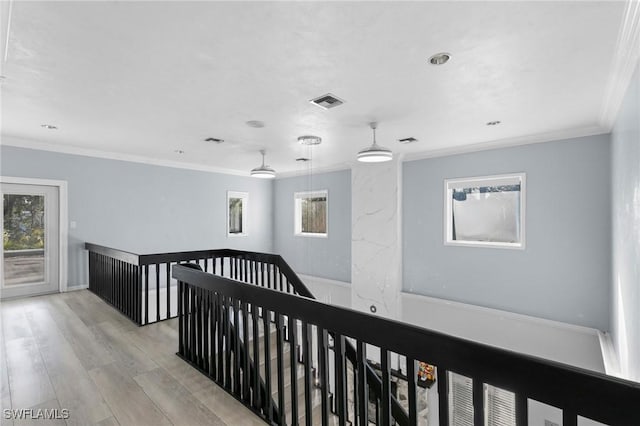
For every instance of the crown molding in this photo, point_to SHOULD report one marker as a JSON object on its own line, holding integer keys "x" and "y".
{"x": 625, "y": 61}
{"x": 402, "y": 157}
{"x": 108, "y": 155}
{"x": 508, "y": 143}
{"x": 312, "y": 171}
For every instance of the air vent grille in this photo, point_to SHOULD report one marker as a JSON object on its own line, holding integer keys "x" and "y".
{"x": 408, "y": 140}
{"x": 214, "y": 140}
{"x": 327, "y": 101}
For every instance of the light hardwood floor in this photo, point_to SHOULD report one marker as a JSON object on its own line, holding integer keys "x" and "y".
{"x": 74, "y": 351}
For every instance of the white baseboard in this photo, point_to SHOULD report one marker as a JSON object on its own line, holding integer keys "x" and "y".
{"x": 76, "y": 288}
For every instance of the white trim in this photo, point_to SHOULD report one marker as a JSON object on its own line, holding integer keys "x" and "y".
{"x": 443, "y": 152}
{"x": 499, "y": 179}
{"x": 324, "y": 281}
{"x": 63, "y": 225}
{"x": 508, "y": 143}
{"x": 297, "y": 231}
{"x": 245, "y": 212}
{"x": 503, "y": 314}
{"x": 625, "y": 61}
{"x": 609, "y": 355}
{"x": 109, "y": 155}
{"x": 77, "y": 287}
{"x": 307, "y": 172}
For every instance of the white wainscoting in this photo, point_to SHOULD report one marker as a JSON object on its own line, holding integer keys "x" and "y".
{"x": 566, "y": 343}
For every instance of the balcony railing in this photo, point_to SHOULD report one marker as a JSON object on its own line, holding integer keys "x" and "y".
{"x": 140, "y": 285}
{"x": 249, "y": 323}
{"x": 210, "y": 305}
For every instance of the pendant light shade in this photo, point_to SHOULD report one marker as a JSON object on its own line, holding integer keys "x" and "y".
{"x": 375, "y": 153}
{"x": 263, "y": 172}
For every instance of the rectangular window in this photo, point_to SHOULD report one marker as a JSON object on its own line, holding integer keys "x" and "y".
{"x": 237, "y": 213}
{"x": 499, "y": 404}
{"x": 311, "y": 213}
{"x": 485, "y": 211}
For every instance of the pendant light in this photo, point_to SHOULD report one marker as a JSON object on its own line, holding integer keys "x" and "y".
{"x": 375, "y": 153}
{"x": 263, "y": 172}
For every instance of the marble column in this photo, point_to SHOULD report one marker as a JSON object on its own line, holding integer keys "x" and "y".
{"x": 376, "y": 249}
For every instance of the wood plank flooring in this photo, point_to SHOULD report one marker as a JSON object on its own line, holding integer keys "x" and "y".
{"x": 74, "y": 351}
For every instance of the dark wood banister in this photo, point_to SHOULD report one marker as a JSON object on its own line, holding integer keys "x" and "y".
{"x": 603, "y": 398}
{"x": 577, "y": 391}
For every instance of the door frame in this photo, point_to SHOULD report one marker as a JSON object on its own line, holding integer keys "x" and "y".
{"x": 63, "y": 225}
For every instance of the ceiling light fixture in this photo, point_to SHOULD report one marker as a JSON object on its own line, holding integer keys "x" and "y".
{"x": 49, "y": 126}
{"x": 440, "y": 58}
{"x": 493, "y": 123}
{"x": 375, "y": 153}
{"x": 263, "y": 172}
{"x": 309, "y": 140}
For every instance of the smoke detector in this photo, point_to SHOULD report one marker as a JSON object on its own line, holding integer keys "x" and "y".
{"x": 327, "y": 101}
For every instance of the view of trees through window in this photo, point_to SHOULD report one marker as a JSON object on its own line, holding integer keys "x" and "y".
{"x": 235, "y": 216}
{"x": 23, "y": 222}
{"x": 314, "y": 215}
{"x": 23, "y": 239}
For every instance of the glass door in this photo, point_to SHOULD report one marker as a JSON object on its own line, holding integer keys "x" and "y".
{"x": 30, "y": 236}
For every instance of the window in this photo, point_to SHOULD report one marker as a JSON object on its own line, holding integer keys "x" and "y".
{"x": 499, "y": 404}
{"x": 311, "y": 213}
{"x": 485, "y": 211}
{"x": 237, "y": 213}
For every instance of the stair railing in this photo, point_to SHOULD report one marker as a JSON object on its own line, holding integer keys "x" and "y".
{"x": 203, "y": 299}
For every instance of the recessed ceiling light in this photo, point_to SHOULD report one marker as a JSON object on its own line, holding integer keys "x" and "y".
{"x": 309, "y": 140}
{"x": 255, "y": 123}
{"x": 493, "y": 123}
{"x": 440, "y": 58}
{"x": 216, "y": 140}
{"x": 49, "y": 126}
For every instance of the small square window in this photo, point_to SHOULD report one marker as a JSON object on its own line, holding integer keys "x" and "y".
{"x": 237, "y": 203}
{"x": 311, "y": 213}
{"x": 485, "y": 211}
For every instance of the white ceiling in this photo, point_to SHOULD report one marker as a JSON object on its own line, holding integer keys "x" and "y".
{"x": 148, "y": 78}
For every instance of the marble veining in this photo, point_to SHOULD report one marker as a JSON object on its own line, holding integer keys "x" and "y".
{"x": 376, "y": 246}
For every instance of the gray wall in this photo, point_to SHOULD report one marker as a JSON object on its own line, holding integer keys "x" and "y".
{"x": 143, "y": 208}
{"x": 625, "y": 297}
{"x": 322, "y": 257}
{"x": 563, "y": 273}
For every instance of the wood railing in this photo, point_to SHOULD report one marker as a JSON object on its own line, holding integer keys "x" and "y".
{"x": 140, "y": 285}
{"x": 210, "y": 306}
{"x": 330, "y": 349}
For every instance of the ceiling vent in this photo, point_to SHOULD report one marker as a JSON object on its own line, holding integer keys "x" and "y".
{"x": 408, "y": 140}
{"x": 215, "y": 140}
{"x": 327, "y": 101}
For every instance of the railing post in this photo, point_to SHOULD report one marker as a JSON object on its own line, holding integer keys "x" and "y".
{"x": 443, "y": 396}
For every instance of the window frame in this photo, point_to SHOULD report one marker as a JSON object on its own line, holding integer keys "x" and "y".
{"x": 297, "y": 213}
{"x": 490, "y": 180}
{"x": 245, "y": 213}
